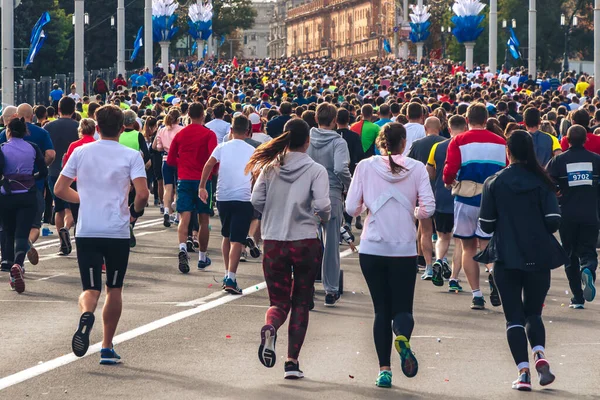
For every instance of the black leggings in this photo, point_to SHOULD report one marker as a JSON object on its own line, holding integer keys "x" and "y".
{"x": 391, "y": 281}
{"x": 523, "y": 294}
{"x": 17, "y": 212}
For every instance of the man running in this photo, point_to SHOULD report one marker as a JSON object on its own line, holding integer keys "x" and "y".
{"x": 545, "y": 145}
{"x": 576, "y": 172}
{"x": 472, "y": 157}
{"x": 63, "y": 132}
{"x": 190, "y": 150}
{"x": 103, "y": 229}
{"x": 234, "y": 189}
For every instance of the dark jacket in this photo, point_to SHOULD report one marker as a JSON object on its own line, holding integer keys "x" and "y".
{"x": 275, "y": 126}
{"x": 522, "y": 213}
{"x": 354, "y": 147}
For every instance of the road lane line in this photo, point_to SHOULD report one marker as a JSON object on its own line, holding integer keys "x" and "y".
{"x": 48, "y": 366}
{"x": 50, "y": 277}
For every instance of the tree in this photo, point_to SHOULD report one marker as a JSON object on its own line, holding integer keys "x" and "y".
{"x": 230, "y": 15}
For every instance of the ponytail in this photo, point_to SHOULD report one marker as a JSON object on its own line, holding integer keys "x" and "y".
{"x": 390, "y": 140}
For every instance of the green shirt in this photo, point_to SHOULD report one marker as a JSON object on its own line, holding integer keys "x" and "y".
{"x": 130, "y": 139}
{"x": 369, "y": 133}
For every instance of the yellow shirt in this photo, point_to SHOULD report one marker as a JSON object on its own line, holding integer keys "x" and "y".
{"x": 581, "y": 87}
{"x": 555, "y": 142}
{"x": 431, "y": 158}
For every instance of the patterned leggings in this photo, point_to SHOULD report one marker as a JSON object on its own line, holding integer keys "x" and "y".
{"x": 303, "y": 259}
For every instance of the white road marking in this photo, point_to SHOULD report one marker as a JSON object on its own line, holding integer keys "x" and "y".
{"x": 50, "y": 277}
{"x": 33, "y": 301}
{"x": 201, "y": 300}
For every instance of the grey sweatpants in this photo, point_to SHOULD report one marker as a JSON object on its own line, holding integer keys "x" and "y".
{"x": 331, "y": 239}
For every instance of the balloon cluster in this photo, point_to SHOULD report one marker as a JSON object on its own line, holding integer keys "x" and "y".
{"x": 200, "y": 20}
{"x": 467, "y": 20}
{"x": 419, "y": 25}
{"x": 163, "y": 19}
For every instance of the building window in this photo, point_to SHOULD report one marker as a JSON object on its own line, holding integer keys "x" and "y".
{"x": 253, "y": 37}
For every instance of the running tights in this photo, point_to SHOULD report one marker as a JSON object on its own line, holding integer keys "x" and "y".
{"x": 302, "y": 259}
{"x": 17, "y": 213}
{"x": 391, "y": 281}
{"x": 523, "y": 294}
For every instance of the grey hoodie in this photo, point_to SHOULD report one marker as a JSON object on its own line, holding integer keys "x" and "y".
{"x": 289, "y": 195}
{"x": 329, "y": 149}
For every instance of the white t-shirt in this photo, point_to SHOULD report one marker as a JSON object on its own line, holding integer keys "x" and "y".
{"x": 103, "y": 170}
{"x": 220, "y": 128}
{"x": 75, "y": 97}
{"x": 233, "y": 184}
{"x": 261, "y": 137}
{"x": 414, "y": 132}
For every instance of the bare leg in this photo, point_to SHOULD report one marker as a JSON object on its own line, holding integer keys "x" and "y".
{"x": 470, "y": 266}
{"x": 111, "y": 313}
{"x": 34, "y": 235}
{"x": 442, "y": 245}
{"x": 426, "y": 226}
{"x": 456, "y": 259}
{"x": 88, "y": 301}
{"x": 226, "y": 250}
{"x": 234, "y": 256}
{"x": 204, "y": 234}
{"x": 168, "y": 198}
{"x": 182, "y": 229}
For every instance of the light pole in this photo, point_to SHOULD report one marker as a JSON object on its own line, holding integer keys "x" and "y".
{"x": 148, "y": 42}
{"x": 506, "y": 52}
{"x": 532, "y": 67}
{"x": 568, "y": 26}
{"x": 80, "y": 19}
{"x": 596, "y": 46}
{"x": 446, "y": 31}
{"x": 8, "y": 54}
{"x": 493, "y": 49}
{"x": 121, "y": 37}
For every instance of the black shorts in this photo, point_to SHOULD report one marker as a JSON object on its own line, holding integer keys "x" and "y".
{"x": 93, "y": 252}
{"x": 235, "y": 219}
{"x": 444, "y": 222}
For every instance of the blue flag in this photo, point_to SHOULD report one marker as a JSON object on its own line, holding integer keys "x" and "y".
{"x": 38, "y": 37}
{"x": 513, "y": 45}
{"x": 386, "y": 46}
{"x": 194, "y": 47}
{"x": 138, "y": 44}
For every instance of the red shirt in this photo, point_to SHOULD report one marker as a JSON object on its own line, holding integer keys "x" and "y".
{"x": 591, "y": 144}
{"x": 85, "y": 139}
{"x": 190, "y": 150}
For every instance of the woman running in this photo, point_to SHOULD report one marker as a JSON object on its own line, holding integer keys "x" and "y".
{"x": 164, "y": 137}
{"x": 289, "y": 190}
{"x": 520, "y": 208}
{"x": 389, "y": 187}
{"x": 18, "y": 161}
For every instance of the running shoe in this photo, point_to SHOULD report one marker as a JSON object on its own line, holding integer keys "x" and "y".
{"x": 589, "y": 288}
{"x": 132, "y": 240}
{"x": 577, "y": 304}
{"x": 109, "y": 357}
{"x": 478, "y": 303}
{"x": 175, "y": 219}
{"x": 408, "y": 361}
{"x": 436, "y": 278}
{"x": 542, "y": 367}
{"x": 292, "y": 370}
{"x": 523, "y": 382}
{"x": 162, "y": 209}
{"x": 195, "y": 243}
{"x": 232, "y": 287}
{"x": 189, "y": 244}
{"x": 65, "y": 242}
{"x": 384, "y": 379}
{"x": 81, "y": 338}
{"x": 5, "y": 266}
{"x": 494, "y": 294}
{"x": 428, "y": 274}
{"x": 254, "y": 250}
{"x": 358, "y": 224}
{"x": 243, "y": 256}
{"x": 453, "y": 286}
{"x": 184, "y": 264}
{"x": 202, "y": 265}
{"x": 446, "y": 270}
{"x": 331, "y": 299}
{"x": 17, "y": 282}
{"x": 32, "y": 255}
{"x": 166, "y": 220}
{"x": 266, "y": 350}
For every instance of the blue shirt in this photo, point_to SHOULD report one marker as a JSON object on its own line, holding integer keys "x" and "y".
{"x": 38, "y": 136}
{"x": 382, "y": 122}
{"x": 141, "y": 80}
{"x": 133, "y": 79}
{"x": 148, "y": 77}
{"x": 56, "y": 94}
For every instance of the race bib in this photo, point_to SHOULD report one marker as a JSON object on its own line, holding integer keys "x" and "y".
{"x": 580, "y": 174}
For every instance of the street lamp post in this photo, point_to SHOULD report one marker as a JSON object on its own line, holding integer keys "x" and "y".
{"x": 506, "y": 52}
{"x": 568, "y": 26}
{"x": 80, "y": 19}
{"x": 121, "y": 37}
{"x": 148, "y": 42}
{"x": 445, "y": 32}
{"x": 8, "y": 54}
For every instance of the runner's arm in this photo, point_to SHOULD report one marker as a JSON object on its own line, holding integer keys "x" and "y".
{"x": 431, "y": 162}
{"x": 141, "y": 194}
{"x": 259, "y": 193}
{"x": 453, "y": 162}
{"x": 68, "y": 174}
{"x": 354, "y": 199}
{"x": 426, "y": 206}
{"x": 206, "y": 171}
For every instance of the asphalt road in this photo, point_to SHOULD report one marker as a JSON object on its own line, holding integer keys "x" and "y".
{"x": 181, "y": 338}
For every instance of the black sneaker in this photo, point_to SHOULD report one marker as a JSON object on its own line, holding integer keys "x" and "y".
{"x": 5, "y": 266}
{"x": 446, "y": 270}
{"x": 189, "y": 244}
{"x": 132, "y": 240}
{"x": 292, "y": 370}
{"x": 331, "y": 299}
{"x": 184, "y": 265}
{"x": 478, "y": 303}
{"x": 254, "y": 250}
{"x": 494, "y": 295}
{"x": 196, "y": 244}
{"x": 81, "y": 339}
{"x": 437, "y": 279}
{"x": 358, "y": 224}
{"x": 65, "y": 242}
{"x": 166, "y": 220}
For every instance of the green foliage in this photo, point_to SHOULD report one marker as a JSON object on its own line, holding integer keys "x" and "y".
{"x": 230, "y": 15}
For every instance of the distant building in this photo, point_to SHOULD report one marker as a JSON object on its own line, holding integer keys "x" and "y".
{"x": 277, "y": 47}
{"x": 340, "y": 28}
{"x": 256, "y": 39}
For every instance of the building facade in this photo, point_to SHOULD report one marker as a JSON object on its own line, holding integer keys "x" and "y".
{"x": 256, "y": 39}
{"x": 277, "y": 47}
{"x": 340, "y": 28}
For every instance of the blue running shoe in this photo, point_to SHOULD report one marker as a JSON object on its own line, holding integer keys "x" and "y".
{"x": 408, "y": 361}
{"x": 109, "y": 357}
{"x": 232, "y": 287}
{"x": 202, "y": 265}
{"x": 589, "y": 289}
{"x": 384, "y": 380}
{"x": 454, "y": 286}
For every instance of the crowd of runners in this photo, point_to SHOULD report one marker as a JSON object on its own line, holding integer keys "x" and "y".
{"x": 295, "y": 157}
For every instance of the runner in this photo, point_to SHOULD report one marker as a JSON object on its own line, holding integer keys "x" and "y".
{"x": 472, "y": 157}
{"x": 520, "y": 208}
{"x": 330, "y": 150}
{"x": 576, "y": 173}
{"x": 19, "y": 161}
{"x": 163, "y": 141}
{"x": 545, "y": 145}
{"x": 444, "y": 211}
{"x": 233, "y": 197}
{"x": 190, "y": 150}
{"x": 414, "y": 128}
{"x": 389, "y": 187}
{"x": 366, "y": 129}
{"x": 103, "y": 229}
{"x": 63, "y": 132}
{"x": 291, "y": 188}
